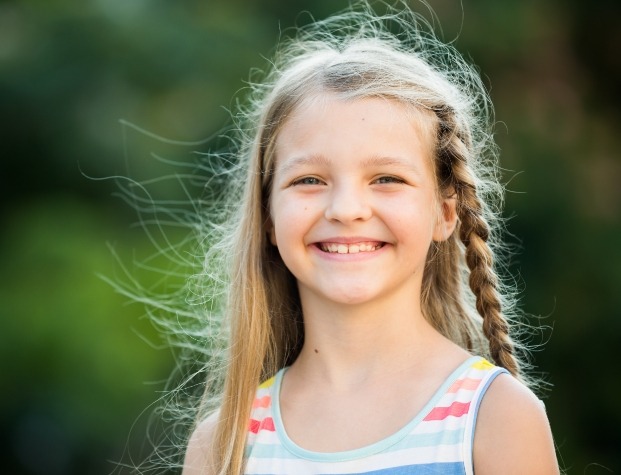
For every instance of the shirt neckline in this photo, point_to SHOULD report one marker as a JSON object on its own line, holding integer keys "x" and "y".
{"x": 370, "y": 449}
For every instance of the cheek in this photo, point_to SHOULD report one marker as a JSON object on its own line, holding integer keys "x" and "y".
{"x": 290, "y": 212}
{"x": 283, "y": 220}
{"x": 415, "y": 231}
{"x": 413, "y": 215}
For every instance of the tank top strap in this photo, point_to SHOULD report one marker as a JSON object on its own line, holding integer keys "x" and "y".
{"x": 261, "y": 414}
{"x": 470, "y": 388}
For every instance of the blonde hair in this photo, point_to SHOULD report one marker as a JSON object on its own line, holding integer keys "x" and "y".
{"x": 353, "y": 55}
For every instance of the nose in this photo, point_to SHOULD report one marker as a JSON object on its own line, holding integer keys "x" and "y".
{"x": 347, "y": 204}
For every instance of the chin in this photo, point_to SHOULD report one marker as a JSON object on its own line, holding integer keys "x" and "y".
{"x": 349, "y": 297}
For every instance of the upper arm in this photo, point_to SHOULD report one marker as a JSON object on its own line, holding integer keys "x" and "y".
{"x": 512, "y": 433}
{"x": 198, "y": 456}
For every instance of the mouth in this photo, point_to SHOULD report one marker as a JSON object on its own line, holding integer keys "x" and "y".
{"x": 350, "y": 248}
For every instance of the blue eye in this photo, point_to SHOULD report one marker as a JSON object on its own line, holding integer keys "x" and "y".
{"x": 388, "y": 179}
{"x": 307, "y": 180}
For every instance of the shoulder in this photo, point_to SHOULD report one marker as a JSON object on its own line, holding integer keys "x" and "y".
{"x": 198, "y": 456}
{"x": 512, "y": 433}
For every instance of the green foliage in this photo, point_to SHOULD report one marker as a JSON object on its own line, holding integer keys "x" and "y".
{"x": 74, "y": 360}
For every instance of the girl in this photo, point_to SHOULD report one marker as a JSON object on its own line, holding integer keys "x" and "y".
{"x": 363, "y": 292}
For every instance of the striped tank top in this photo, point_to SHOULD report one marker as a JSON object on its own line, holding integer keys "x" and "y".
{"x": 437, "y": 441}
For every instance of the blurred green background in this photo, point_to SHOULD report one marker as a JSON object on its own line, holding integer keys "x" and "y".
{"x": 80, "y": 363}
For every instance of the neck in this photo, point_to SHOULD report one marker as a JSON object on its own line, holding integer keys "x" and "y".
{"x": 349, "y": 344}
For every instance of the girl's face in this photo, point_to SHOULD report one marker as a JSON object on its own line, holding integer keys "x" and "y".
{"x": 354, "y": 205}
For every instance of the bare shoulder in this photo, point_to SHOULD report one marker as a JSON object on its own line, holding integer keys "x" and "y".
{"x": 513, "y": 433}
{"x": 198, "y": 454}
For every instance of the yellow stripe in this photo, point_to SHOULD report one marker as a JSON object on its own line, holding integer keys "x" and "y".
{"x": 267, "y": 383}
{"x": 482, "y": 364}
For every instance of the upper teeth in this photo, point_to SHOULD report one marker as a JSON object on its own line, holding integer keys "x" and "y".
{"x": 349, "y": 248}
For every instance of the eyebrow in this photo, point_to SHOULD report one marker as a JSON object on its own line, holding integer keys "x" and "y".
{"x": 302, "y": 161}
{"x": 380, "y": 160}
{"x": 371, "y": 162}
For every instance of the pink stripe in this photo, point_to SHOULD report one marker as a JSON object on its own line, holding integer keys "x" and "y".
{"x": 265, "y": 424}
{"x": 457, "y": 409}
{"x": 466, "y": 383}
{"x": 261, "y": 402}
{"x": 254, "y": 425}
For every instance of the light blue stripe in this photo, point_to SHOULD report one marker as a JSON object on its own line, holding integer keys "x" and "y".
{"x": 449, "y": 437}
{"x": 445, "y": 437}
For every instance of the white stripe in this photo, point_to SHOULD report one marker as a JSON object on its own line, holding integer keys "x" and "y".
{"x": 410, "y": 456}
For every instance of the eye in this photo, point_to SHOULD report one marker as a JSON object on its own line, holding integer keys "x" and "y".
{"x": 307, "y": 180}
{"x": 388, "y": 180}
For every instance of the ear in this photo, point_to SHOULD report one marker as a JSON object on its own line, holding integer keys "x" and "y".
{"x": 447, "y": 219}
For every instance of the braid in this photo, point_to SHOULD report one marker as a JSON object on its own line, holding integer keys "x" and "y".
{"x": 474, "y": 232}
{"x": 454, "y": 147}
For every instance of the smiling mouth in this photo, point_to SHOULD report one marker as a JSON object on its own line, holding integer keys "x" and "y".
{"x": 355, "y": 248}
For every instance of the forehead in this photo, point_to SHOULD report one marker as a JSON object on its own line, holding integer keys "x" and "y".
{"x": 328, "y": 126}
